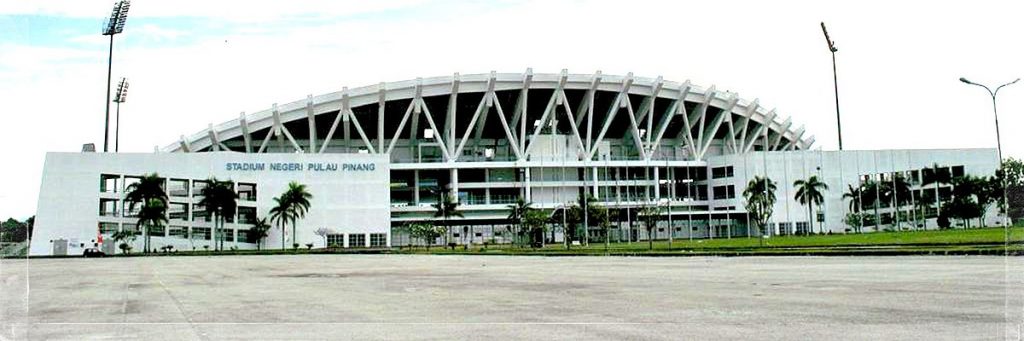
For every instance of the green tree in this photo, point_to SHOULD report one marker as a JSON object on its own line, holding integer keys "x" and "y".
{"x": 257, "y": 232}
{"x": 516, "y": 212}
{"x": 281, "y": 214}
{"x": 760, "y": 201}
{"x": 535, "y": 222}
{"x": 147, "y": 191}
{"x": 291, "y": 206}
{"x": 124, "y": 239}
{"x": 649, "y": 216}
{"x": 854, "y": 194}
{"x": 1013, "y": 169}
{"x": 220, "y": 200}
{"x": 936, "y": 175}
{"x": 965, "y": 204}
{"x": 152, "y": 214}
{"x": 428, "y": 233}
{"x": 445, "y": 208}
{"x": 809, "y": 193}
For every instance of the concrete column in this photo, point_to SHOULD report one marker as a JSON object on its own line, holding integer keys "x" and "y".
{"x": 416, "y": 187}
{"x": 455, "y": 184}
{"x": 526, "y": 176}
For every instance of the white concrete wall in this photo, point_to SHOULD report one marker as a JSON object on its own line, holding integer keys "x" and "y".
{"x": 346, "y": 201}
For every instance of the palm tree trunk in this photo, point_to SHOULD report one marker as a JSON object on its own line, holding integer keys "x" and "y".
{"x": 810, "y": 217}
{"x": 281, "y": 225}
{"x": 294, "y": 239}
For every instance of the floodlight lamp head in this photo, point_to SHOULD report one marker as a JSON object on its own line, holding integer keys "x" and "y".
{"x": 118, "y": 17}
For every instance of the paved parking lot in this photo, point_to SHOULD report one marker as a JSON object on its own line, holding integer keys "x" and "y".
{"x": 445, "y": 297}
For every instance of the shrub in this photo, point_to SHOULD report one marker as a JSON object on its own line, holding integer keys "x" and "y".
{"x": 309, "y": 246}
{"x": 295, "y": 246}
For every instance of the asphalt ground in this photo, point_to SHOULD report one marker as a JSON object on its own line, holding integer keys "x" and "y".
{"x": 424, "y": 297}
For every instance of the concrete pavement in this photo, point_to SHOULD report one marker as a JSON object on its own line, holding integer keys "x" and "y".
{"x": 388, "y": 297}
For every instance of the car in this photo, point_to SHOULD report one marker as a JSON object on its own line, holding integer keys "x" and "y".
{"x": 93, "y": 252}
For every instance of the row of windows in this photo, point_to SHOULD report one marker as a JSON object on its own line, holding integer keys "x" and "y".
{"x": 183, "y": 232}
{"x": 721, "y": 172}
{"x": 111, "y": 183}
{"x": 357, "y": 240}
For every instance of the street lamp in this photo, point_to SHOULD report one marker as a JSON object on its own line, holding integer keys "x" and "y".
{"x": 835, "y": 81}
{"x": 120, "y": 97}
{"x": 999, "y": 149}
{"x": 112, "y": 26}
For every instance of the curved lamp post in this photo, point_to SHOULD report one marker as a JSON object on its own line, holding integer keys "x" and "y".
{"x": 999, "y": 147}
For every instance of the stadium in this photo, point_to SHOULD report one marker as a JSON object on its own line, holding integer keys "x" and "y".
{"x": 378, "y": 157}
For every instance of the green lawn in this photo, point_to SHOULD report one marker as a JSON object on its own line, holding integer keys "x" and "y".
{"x": 917, "y": 241}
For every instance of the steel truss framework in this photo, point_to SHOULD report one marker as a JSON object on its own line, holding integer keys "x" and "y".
{"x": 640, "y": 115}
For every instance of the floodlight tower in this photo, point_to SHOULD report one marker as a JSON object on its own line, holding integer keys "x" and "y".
{"x": 120, "y": 97}
{"x": 835, "y": 81}
{"x": 112, "y": 26}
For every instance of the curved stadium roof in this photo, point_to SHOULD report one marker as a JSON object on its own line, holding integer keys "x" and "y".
{"x": 643, "y": 117}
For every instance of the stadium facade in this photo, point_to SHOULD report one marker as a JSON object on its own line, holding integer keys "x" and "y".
{"x": 488, "y": 139}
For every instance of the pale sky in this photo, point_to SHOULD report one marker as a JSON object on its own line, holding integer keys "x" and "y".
{"x": 192, "y": 63}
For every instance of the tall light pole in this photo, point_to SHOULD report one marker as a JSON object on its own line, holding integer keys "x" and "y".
{"x": 999, "y": 149}
{"x": 120, "y": 97}
{"x": 114, "y": 25}
{"x": 835, "y": 82}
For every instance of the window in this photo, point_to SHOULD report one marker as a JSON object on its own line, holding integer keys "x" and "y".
{"x": 177, "y": 187}
{"x": 201, "y": 233}
{"x": 197, "y": 188}
{"x": 357, "y": 240}
{"x": 227, "y": 234}
{"x": 107, "y": 228}
{"x": 958, "y": 171}
{"x": 177, "y": 232}
{"x": 156, "y": 231}
{"x": 108, "y": 207}
{"x": 785, "y": 229}
{"x": 721, "y": 172}
{"x": 108, "y": 183}
{"x": 246, "y": 192}
{"x": 378, "y": 239}
{"x": 246, "y": 215}
{"x": 702, "y": 193}
{"x": 335, "y": 240}
{"x": 724, "y": 192}
{"x": 178, "y": 211}
{"x": 802, "y": 227}
{"x": 242, "y": 236}
{"x": 199, "y": 213}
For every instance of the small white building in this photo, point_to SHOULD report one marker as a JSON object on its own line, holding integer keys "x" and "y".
{"x": 82, "y": 198}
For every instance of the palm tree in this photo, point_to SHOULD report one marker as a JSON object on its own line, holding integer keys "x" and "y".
{"x": 258, "y": 231}
{"x": 516, "y": 212}
{"x": 298, "y": 202}
{"x": 219, "y": 198}
{"x": 152, "y": 214}
{"x": 856, "y": 202}
{"x": 445, "y": 208}
{"x": 149, "y": 187}
{"x": 280, "y": 214}
{"x": 871, "y": 194}
{"x": 760, "y": 197}
{"x": 289, "y": 207}
{"x": 535, "y": 221}
{"x": 809, "y": 192}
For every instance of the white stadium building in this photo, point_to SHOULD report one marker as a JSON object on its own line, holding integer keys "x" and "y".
{"x": 376, "y": 158}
